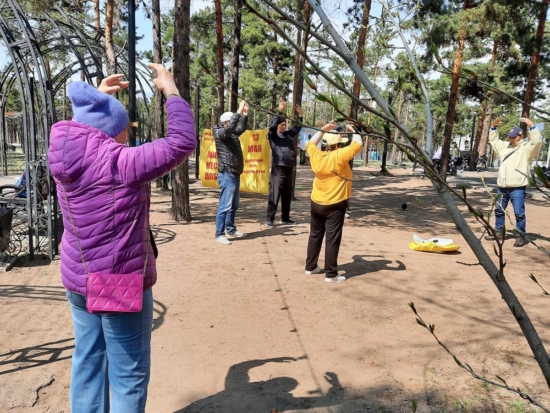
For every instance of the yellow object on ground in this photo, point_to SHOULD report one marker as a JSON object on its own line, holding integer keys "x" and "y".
{"x": 429, "y": 246}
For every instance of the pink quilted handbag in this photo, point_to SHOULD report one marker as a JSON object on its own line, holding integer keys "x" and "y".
{"x": 114, "y": 293}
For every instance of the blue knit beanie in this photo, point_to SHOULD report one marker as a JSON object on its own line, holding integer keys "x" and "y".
{"x": 100, "y": 110}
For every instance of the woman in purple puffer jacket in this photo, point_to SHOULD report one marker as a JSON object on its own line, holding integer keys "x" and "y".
{"x": 105, "y": 185}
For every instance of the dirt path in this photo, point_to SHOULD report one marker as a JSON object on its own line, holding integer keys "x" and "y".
{"x": 240, "y": 328}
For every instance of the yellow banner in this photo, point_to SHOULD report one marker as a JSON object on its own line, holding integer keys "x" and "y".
{"x": 256, "y": 156}
{"x": 208, "y": 167}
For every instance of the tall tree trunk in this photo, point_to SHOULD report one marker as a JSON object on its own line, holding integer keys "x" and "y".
{"x": 369, "y": 118}
{"x": 97, "y": 25}
{"x": 180, "y": 186}
{"x": 158, "y": 122}
{"x": 354, "y": 106}
{"x": 158, "y": 125}
{"x": 235, "y": 60}
{"x": 275, "y": 94}
{"x": 476, "y": 150}
{"x": 393, "y": 157}
{"x": 485, "y": 132}
{"x": 298, "y": 87}
{"x": 531, "y": 79}
{"x": 402, "y": 157}
{"x": 219, "y": 57}
{"x": 302, "y": 40}
{"x": 109, "y": 47}
{"x": 477, "y": 139}
{"x": 453, "y": 97}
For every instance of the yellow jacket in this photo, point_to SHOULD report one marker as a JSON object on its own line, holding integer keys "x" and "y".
{"x": 515, "y": 161}
{"x": 333, "y": 176}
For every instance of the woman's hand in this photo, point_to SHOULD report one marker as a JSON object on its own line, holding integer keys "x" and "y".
{"x": 282, "y": 105}
{"x": 328, "y": 127}
{"x": 113, "y": 83}
{"x": 495, "y": 123}
{"x": 299, "y": 110}
{"x": 164, "y": 80}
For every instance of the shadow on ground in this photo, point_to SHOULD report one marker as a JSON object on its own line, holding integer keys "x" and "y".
{"x": 275, "y": 396}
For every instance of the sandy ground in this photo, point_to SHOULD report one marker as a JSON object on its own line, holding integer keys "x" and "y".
{"x": 240, "y": 328}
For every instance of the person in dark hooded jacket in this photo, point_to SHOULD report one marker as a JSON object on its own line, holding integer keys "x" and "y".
{"x": 283, "y": 154}
{"x": 230, "y": 168}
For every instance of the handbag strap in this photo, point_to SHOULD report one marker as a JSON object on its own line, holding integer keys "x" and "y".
{"x": 78, "y": 241}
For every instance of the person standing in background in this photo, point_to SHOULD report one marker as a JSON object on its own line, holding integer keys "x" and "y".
{"x": 515, "y": 157}
{"x": 230, "y": 168}
{"x": 329, "y": 198}
{"x": 283, "y": 160}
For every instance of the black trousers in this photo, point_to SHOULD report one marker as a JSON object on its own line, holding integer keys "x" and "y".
{"x": 281, "y": 188}
{"x": 327, "y": 219}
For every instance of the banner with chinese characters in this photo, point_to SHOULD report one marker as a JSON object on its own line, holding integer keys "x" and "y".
{"x": 256, "y": 156}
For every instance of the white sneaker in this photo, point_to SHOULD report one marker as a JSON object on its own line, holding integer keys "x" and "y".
{"x": 222, "y": 240}
{"x": 346, "y": 215}
{"x": 337, "y": 279}
{"x": 237, "y": 234}
{"x": 317, "y": 270}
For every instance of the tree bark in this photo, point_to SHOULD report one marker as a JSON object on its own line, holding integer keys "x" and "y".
{"x": 354, "y": 106}
{"x": 109, "y": 47}
{"x": 219, "y": 57}
{"x": 97, "y": 25}
{"x": 477, "y": 139}
{"x": 393, "y": 157}
{"x": 158, "y": 121}
{"x": 485, "y": 132}
{"x": 275, "y": 62}
{"x": 532, "y": 78}
{"x": 180, "y": 187}
{"x": 298, "y": 87}
{"x": 299, "y": 61}
{"x": 235, "y": 60}
{"x": 369, "y": 118}
{"x": 453, "y": 98}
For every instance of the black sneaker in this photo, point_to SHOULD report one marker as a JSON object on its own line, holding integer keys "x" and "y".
{"x": 287, "y": 222}
{"x": 269, "y": 223}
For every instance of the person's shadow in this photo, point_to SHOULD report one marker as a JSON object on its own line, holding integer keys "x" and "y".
{"x": 241, "y": 395}
{"x": 360, "y": 266}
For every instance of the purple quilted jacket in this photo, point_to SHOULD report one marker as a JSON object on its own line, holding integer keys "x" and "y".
{"x": 105, "y": 183}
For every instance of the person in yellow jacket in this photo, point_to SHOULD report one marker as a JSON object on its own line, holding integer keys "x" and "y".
{"x": 329, "y": 197}
{"x": 515, "y": 157}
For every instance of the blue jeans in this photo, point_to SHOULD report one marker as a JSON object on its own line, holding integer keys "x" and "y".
{"x": 229, "y": 202}
{"x": 112, "y": 353}
{"x": 517, "y": 197}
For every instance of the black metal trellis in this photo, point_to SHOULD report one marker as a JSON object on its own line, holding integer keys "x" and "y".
{"x": 38, "y": 86}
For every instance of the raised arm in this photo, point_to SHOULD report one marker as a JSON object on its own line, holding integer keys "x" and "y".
{"x": 243, "y": 111}
{"x": 533, "y": 134}
{"x": 272, "y": 130}
{"x": 238, "y": 377}
{"x": 137, "y": 166}
{"x": 296, "y": 129}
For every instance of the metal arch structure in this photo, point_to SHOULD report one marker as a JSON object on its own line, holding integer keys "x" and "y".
{"x": 74, "y": 50}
